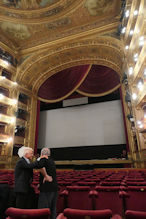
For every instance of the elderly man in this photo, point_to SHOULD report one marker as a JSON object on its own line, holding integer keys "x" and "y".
{"x": 24, "y": 177}
{"x": 48, "y": 190}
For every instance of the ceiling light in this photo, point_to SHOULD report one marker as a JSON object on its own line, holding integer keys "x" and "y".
{"x": 141, "y": 41}
{"x": 126, "y": 47}
{"x": 140, "y": 85}
{"x": 14, "y": 101}
{"x": 5, "y": 62}
{"x": 135, "y": 12}
{"x": 2, "y": 77}
{"x": 138, "y": 122}
{"x": 131, "y": 32}
{"x": 141, "y": 38}
{"x": 12, "y": 120}
{"x": 1, "y": 96}
{"x": 123, "y": 30}
{"x": 141, "y": 126}
{"x": 135, "y": 57}
{"x": 10, "y": 139}
{"x": 127, "y": 13}
{"x": 130, "y": 70}
{"x": 134, "y": 96}
{"x": 14, "y": 83}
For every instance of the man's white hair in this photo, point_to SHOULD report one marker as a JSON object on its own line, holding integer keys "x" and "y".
{"x": 45, "y": 151}
{"x": 23, "y": 150}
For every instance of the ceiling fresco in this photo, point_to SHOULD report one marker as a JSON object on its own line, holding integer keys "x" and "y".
{"x": 27, "y": 4}
{"x": 28, "y": 23}
{"x": 64, "y": 41}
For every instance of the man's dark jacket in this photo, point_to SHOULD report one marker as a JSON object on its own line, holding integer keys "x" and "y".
{"x": 24, "y": 175}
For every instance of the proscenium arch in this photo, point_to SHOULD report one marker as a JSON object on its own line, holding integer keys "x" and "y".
{"x": 106, "y": 51}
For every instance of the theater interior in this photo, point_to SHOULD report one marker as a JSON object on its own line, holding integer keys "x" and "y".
{"x": 73, "y": 78}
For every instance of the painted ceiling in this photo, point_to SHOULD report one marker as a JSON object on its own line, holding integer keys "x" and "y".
{"x": 64, "y": 46}
{"x": 28, "y": 23}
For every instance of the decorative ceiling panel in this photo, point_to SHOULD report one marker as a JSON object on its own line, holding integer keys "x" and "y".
{"x": 28, "y": 23}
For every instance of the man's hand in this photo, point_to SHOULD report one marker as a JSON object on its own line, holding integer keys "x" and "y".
{"x": 47, "y": 178}
{"x": 43, "y": 156}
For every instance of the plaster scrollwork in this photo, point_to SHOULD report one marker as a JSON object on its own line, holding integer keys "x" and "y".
{"x": 48, "y": 62}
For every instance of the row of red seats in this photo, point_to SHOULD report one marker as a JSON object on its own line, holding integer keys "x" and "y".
{"x": 117, "y": 198}
{"x": 14, "y": 213}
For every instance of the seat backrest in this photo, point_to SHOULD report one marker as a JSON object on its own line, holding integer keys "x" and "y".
{"x": 135, "y": 214}
{"x": 137, "y": 197}
{"x": 108, "y": 198}
{"x": 16, "y": 213}
{"x": 83, "y": 214}
{"x": 78, "y": 197}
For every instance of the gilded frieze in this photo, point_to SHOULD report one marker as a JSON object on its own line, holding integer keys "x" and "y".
{"x": 49, "y": 62}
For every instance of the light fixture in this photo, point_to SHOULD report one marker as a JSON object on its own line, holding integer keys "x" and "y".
{"x": 127, "y": 13}
{"x": 144, "y": 73}
{"x": 130, "y": 70}
{"x": 140, "y": 85}
{"x": 1, "y": 96}
{"x": 126, "y": 47}
{"x": 135, "y": 57}
{"x": 10, "y": 139}
{"x": 141, "y": 41}
{"x": 135, "y": 12}
{"x": 134, "y": 96}
{"x": 123, "y": 30}
{"x": 131, "y": 32}
{"x": 12, "y": 120}
{"x": 14, "y": 101}
{"x": 141, "y": 126}
{"x": 138, "y": 122}
{"x": 2, "y": 77}
{"x": 14, "y": 83}
{"x": 5, "y": 62}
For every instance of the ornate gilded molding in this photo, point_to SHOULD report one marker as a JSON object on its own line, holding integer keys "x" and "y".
{"x": 44, "y": 64}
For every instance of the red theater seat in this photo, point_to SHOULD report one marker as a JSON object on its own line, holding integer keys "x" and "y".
{"x": 78, "y": 197}
{"x": 82, "y": 214}
{"x": 108, "y": 198}
{"x": 16, "y": 213}
{"x": 137, "y": 198}
{"x": 135, "y": 214}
